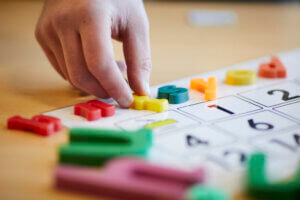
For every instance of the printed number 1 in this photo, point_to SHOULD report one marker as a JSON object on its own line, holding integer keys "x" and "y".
{"x": 221, "y": 108}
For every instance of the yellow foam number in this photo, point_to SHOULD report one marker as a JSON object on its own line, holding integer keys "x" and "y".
{"x": 160, "y": 123}
{"x": 147, "y": 103}
{"x": 240, "y": 77}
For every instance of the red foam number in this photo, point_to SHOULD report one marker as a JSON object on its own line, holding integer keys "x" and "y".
{"x": 39, "y": 124}
{"x": 94, "y": 109}
{"x": 273, "y": 69}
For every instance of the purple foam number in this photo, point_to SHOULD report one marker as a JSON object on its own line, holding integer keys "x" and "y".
{"x": 129, "y": 178}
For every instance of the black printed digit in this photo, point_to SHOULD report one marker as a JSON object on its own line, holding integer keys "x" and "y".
{"x": 285, "y": 94}
{"x": 194, "y": 141}
{"x": 260, "y": 126}
{"x": 293, "y": 148}
{"x": 297, "y": 138}
{"x": 242, "y": 156}
{"x": 221, "y": 108}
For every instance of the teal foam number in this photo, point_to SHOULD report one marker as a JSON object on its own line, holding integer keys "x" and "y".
{"x": 174, "y": 94}
{"x": 199, "y": 192}
{"x": 93, "y": 147}
{"x": 259, "y": 186}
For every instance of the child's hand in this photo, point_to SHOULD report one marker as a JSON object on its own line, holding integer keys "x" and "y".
{"x": 76, "y": 37}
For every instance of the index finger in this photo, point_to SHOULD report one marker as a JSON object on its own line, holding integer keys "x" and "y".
{"x": 99, "y": 56}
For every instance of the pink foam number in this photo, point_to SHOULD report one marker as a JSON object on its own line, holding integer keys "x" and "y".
{"x": 129, "y": 178}
{"x": 94, "y": 110}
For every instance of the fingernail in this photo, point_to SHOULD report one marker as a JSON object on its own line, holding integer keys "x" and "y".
{"x": 125, "y": 101}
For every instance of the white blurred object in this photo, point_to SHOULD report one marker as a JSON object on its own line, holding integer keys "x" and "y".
{"x": 212, "y": 18}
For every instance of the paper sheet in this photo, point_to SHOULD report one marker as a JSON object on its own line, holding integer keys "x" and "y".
{"x": 200, "y": 136}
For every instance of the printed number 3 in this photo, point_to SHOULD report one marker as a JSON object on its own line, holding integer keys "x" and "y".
{"x": 285, "y": 94}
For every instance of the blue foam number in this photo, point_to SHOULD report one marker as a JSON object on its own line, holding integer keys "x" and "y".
{"x": 174, "y": 94}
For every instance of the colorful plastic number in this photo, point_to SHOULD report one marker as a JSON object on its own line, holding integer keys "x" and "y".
{"x": 147, "y": 103}
{"x": 174, "y": 94}
{"x": 40, "y": 124}
{"x": 272, "y": 69}
{"x": 128, "y": 178}
{"x": 93, "y": 147}
{"x": 209, "y": 88}
{"x": 240, "y": 77}
{"x": 94, "y": 110}
{"x": 200, "y": 192}
{"x": 260, "y": 187}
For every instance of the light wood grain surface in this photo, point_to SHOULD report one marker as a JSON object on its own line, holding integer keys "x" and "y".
{"x": 28, "y": 85}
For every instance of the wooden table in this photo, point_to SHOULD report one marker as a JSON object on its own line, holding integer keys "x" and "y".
{"x": 29, "y": 86}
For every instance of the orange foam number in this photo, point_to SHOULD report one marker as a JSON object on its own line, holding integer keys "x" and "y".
{"x": 209, "y": 88}
{"x": 273, "y": 69}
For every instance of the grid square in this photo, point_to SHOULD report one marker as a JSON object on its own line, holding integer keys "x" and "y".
{"x": 274, "y": 94}
{"x": 193, "y": 140}
{"x": 220, "y": 108}
{"x": 256, "y": 124}
{"x": 179, "y": 121}
{"x": 292, "y": 110}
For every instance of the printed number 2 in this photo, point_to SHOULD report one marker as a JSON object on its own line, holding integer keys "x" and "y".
{"x": 285, "y": 94}
{"x": 260, "y": 126}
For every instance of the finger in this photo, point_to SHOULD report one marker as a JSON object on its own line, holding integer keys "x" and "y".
{"x": 98, "y": 52}
{"x": 80, "y": 77}
{"x": 56, "y": 47}
{"x": 122, "y": 67}
{"x": 136, "y": 47}
{"x": 52, "y": 59}
{"x": 49, "y": 54}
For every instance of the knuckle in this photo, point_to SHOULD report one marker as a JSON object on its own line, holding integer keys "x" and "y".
{"x": 88, "y": 14}
{"x": 146, "y": 65}
{"x": 85, "y": 9}
{"x": 62, "y": 19}
{"x": 42, "y": 30}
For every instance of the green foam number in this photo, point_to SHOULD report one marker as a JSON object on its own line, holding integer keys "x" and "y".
{"x": 93, "y": 147}
{"x": 259, "y": 186}
{"x": 199, "y": 192}
{"x": 174, "y": 94}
